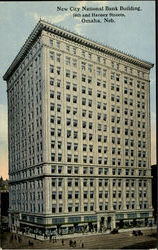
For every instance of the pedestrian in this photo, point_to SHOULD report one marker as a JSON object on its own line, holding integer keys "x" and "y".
{"x": 11, "y": 238}
{"x": 74, "y": 243}
{"x": 82, "y": 245}
{"x": 62, "y": 242}
{"x": 19, "y": 239}
{"x": 70, "y": 243}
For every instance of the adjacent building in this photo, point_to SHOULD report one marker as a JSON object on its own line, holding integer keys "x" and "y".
{"x": 79, "y": 135}
{"x": 154, "y": 174}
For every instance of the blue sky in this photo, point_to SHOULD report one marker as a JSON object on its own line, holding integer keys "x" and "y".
{"x": 134, "y": 34}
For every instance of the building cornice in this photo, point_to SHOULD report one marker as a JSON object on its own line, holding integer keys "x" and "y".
{"x": 43, "y": 25}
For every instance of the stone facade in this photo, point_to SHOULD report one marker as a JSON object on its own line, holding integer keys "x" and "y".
{"x": 79, "y": 135}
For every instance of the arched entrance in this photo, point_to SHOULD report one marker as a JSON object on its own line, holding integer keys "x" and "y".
{"x": 109, "y": 219}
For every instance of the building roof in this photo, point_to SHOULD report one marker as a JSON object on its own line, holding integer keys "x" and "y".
{"x": 43, "y": 25}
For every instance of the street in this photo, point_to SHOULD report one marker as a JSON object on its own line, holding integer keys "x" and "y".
{"x": 101, "y": 241}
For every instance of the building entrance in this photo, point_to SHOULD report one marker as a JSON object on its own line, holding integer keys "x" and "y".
{"x": 108, "y": 222}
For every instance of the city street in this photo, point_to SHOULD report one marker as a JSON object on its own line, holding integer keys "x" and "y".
{"x": 101, "y": 241}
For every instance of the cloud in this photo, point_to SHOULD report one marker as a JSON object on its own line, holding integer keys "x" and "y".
{"x": 78, "y": 28}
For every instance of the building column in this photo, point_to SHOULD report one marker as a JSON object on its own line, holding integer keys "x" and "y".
{"x": 137, "y": 194}
{"x": 149, "y": 193}
{"x": 46, "y": 194}
{"x": 124, "y": 194}
{"x": 65, "y": 192}
{"x": 110, "y": 194}
{"x": 81, "y": 196}
{"x": 96, "y": 195}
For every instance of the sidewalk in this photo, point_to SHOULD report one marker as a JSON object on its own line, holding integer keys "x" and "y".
{"x": 76, "y": 235}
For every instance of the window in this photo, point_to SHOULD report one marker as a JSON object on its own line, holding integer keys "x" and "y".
{"x": 83, "y": 78}
{"x": 69, "y": 183}
{"x": 51, "y": 43}
{"x": 67, "y": 85}
{"x": 90, "y": 114}
{"x": 85, "y": 182}
{"x": 58, "y": 95}
{"x": 76, "y": 207}
{"x": 59, "y": 169}
{"x": 74, "y": 63}
{"x": 68, "y": 98}
{"x": 67, "y": 60}
{"x": 98, "y": 71}
{"x": 67, "y": 48}
{"x": 69, "y": 195}
{"x": 89, "y": 56}
{"x": 69, "y": 158}
{"x": 85, "y": 195}
{"x": 60, "y": 208}
{"x": 100, "y": 182}
{"x": 75, "y": 158}
{"x": 74, "y": 87}
{"x": 74, "y": 99}
{"x": 76, "y": 182}
{"x": 74, "y": 75}
{"x": 51, "y": 69}
{"x": 89, "y": 91}
{"x": 58, "y": 70}
{"x": 58, "y": 57}
{"x": 68, "y": 145}
{"x": 53, "y": 209}
{"x": 76, "y": 170}
{"x": 75, "y": 123}
{"x": 112, "y": 76}
{"x": 51, "y": 54}
{"x": 75, "y": 134}
{"x": 52, "y": 157}
{"x": 90, "y": 103}
{"x": 53, "y": 195}
{"x": 91, "y": 183}
{"x": 83, "y": 65}
{"x": 67, "y": 73}
{"x": 89, "y": 79}
{"x": 86, "y": 207}
{"x": 74, "y": 50}
{"x": 117, "y": 77}
{"x": 112, "y": 86}
{"x": 84, "y": 159}
{"x": 76, "y": 194}
{"x": 83, "y": 101}
{"x": 58, "y": 108}
{"x": 91, "y": 169}
{"x": 58, "y": 44}
{"x": 51, "y": 81}
{"x": 75, "y": 146}
{"x": 69, "y": 208}
{"x": 53, "y": 169}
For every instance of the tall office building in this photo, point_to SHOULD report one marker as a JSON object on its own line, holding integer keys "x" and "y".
{"x": 79, "y": 135}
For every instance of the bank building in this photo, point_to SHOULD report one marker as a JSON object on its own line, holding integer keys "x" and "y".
{"x": 79, "y": 136}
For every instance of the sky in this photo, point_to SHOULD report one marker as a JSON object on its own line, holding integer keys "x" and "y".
{"x": 133, "y": 33}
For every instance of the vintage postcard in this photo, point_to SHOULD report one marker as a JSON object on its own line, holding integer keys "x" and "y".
{"x": 78, "y": 125}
